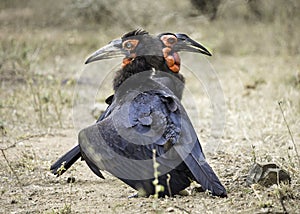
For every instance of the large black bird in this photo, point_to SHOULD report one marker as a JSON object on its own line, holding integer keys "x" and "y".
{"x": 145, "y": 119}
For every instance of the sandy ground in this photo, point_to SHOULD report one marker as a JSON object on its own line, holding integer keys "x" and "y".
{"x": 234, "y": 109}
{"x": 249, "y": 117}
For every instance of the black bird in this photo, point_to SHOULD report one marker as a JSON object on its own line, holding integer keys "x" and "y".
{"x": 171, "y": 65}
{"x": 146, "y": 119}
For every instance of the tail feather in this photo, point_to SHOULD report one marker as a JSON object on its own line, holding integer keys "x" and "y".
{"x": 203, "y": 173}
{"x": 205, "y": 176}
{"x": 66, "y": 161}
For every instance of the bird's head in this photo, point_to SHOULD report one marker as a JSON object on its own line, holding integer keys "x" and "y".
{"x": 174, "y": 43}
{"x": 132, "y": 46}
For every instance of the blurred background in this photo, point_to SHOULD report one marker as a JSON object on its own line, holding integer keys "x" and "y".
{"x": 52, "y": 38}
{"x": 256, "y": 55}
{"x": 230, "y": 27}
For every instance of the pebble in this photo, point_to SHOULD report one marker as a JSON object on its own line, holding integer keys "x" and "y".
{"x": 170, "y": 209}
{"x": 267, "y": 174}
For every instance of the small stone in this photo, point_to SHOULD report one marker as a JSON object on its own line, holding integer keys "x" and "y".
{"x": 170, "y": 209}
{"x": 267, "y": 175}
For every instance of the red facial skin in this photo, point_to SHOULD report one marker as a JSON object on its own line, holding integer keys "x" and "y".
{"x": 126, "y": 61}
{"x": 172, "y": 58}
{"x": 129, "y": 45}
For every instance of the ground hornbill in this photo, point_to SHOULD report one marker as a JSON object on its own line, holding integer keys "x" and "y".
{"x": 145, "y": 128}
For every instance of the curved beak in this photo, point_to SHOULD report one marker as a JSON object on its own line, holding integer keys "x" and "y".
{"x": 112, "y": 50}
{"x": 185, "y": 43}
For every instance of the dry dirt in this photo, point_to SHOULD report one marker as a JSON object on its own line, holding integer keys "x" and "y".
{"x": 39, "y": 67}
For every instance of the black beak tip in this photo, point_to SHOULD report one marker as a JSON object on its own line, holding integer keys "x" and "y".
{"x": 88, "y": 60}
{"x": 204, "y": 51}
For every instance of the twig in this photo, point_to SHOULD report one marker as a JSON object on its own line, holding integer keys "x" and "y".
{"x": 253, "y": 154}
{"x": 280, "y": 197}
{"x": 29, "y": 136}
{"x": 12, "y": 170}
{"x": 182, "y": 209}
{"x": 168, "y": 184}
{"x": 7, "y": 148}
{"x": 288, "y": 127}
{"x": 155, "y": 182}
{"x": 255, "y": 192}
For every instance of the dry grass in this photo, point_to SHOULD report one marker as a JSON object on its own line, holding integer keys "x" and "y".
{"x": 256, "y": 59}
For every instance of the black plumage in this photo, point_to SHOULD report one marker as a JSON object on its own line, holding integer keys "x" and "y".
{"x": 145, "y": 116}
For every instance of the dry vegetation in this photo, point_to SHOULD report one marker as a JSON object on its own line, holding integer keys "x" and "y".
{"x": 256, "y": 58}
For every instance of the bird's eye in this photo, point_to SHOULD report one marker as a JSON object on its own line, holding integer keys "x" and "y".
{"x": 171, "y": 40}
{"x": 128, "y": 45}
